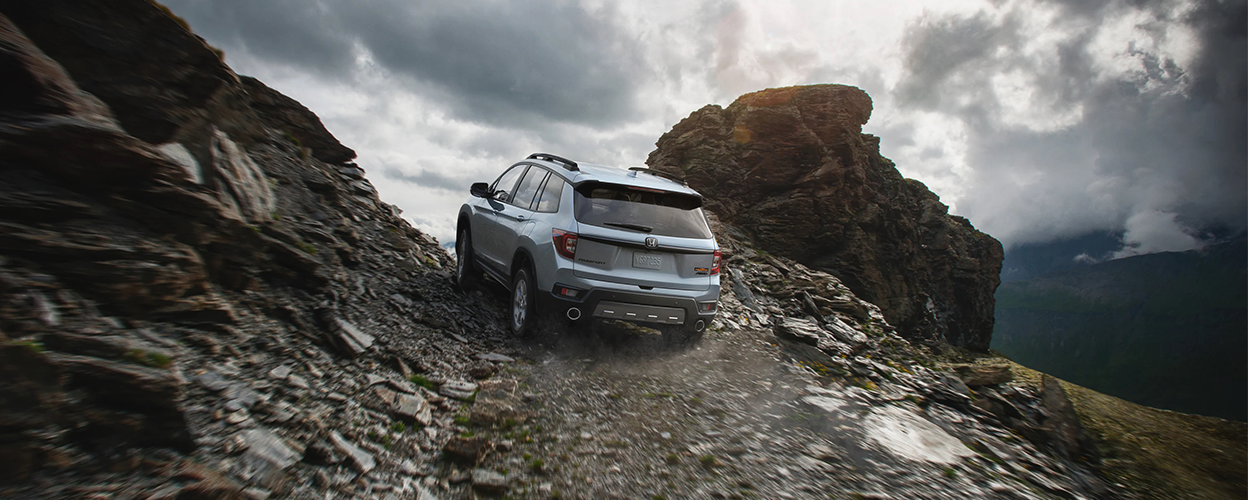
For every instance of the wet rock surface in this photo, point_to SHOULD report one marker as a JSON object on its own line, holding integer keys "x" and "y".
{"x": 159, "y": 341}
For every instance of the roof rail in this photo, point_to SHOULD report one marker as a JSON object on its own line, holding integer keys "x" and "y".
{"x": 568, "y": 164}
{"x": 660, "y": 173}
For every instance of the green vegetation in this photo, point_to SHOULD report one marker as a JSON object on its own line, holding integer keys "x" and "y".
{"x": 1158, "y": 453}
{"x": 672, "y": 459}
{"x": 1056, "y": 300}
{"x": 151, "y": 359}
{"x": 398, "y": 427}
{"x": 802, "y": 416}
{"x": 33, "y": 345}
{"x": 707, "y": 460}
{"x": 383, "y": 439}
{"x": 420, "y": 380}
{"x": 307, "y": 247}
{"x": 522, "y": 436}
{"x": 293, "y": 140}
{"x": 821, "y": 369}
{"x": 1163, "y": 330}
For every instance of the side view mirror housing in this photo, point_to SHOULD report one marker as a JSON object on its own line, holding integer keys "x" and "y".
{"x": 480, "y": 190}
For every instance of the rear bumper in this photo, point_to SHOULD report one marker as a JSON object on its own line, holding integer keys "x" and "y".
{"x": 662, "y": 306}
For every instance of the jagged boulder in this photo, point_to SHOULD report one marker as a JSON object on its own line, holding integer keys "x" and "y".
{"x": 792, "y": 168}
{"x": 283, "y": 113}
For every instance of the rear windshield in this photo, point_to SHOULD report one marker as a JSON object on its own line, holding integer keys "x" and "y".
{"x": 638, "y": 209}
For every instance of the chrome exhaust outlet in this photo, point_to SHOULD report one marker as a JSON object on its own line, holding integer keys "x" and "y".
{"x": 574, "y": 313}
{"x": 699, "y": 326}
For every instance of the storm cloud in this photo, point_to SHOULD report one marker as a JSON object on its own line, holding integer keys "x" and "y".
{"x": 1082, "y": 117}
{"x": 503, "y": 62}
{"x": 1038, "y": 120}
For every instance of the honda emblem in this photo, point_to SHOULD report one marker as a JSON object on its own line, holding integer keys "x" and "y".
{"x": 652, "y": 242}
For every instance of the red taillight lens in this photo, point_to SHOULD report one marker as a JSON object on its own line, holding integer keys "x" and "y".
{"x": 715, "y": 262}
{"x": 565, "y": 243}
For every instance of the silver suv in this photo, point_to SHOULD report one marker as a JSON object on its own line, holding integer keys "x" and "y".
{"x": 579, "y": 240}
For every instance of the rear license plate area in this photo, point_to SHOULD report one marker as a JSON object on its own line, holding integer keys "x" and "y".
{"x": 644, "y": 260}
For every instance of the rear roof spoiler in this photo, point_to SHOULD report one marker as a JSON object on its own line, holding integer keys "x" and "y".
{"x": 660, "y": 173}
{"x": 564, "y": 162}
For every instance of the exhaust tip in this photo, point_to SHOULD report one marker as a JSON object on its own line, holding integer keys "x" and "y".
{"x": 574, "y": 313}
{"x": 699, "y": 326}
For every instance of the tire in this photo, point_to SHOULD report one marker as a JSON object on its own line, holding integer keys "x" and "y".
{"x": 523, "y": 308}
{"x": 465, "y": 264}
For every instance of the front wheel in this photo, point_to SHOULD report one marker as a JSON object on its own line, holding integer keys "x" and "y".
{"x": 465, "y": 274}
{"x": 523, "y": 309}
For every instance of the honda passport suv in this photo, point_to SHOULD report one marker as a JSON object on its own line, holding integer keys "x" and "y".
{"x": 589, "y": 241}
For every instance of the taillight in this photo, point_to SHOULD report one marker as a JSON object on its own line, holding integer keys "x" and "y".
{"x": 565, "y": 243}
{"x": 715, "y": 262}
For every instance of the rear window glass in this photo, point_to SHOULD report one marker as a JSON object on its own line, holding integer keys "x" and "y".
{"x": 644, "y": 210}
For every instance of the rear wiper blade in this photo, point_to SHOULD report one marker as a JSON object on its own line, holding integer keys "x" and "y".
{"x": 635, "y": 227}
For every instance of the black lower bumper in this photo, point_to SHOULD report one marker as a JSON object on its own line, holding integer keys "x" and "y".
{"x": 590, "y": 302}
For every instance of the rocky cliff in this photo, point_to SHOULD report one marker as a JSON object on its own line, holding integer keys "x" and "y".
{"x": 158, "y": 212}
{"x": 792, "y": 168}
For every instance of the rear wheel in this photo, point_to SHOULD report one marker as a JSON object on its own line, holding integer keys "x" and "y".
{"x": 465, "y": 268}
{"x": 523, "y": 309}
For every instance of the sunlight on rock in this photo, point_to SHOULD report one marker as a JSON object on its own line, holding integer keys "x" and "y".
{"x": 826, "y": 403}
{"x": 910, "y": 436}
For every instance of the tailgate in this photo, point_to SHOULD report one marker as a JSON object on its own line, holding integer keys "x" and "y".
{"x": 623, "y": 257}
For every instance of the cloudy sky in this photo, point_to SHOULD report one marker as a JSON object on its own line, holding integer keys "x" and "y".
{"x": 1036, "y": 119}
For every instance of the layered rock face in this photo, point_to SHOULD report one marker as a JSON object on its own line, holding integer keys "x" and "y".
{"x": 792, "y": 168}
{"x": 157, "y": 212}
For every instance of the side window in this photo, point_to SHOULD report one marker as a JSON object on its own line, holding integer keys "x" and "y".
{"x": 507, "y": 183}
{"x": 528, "y": 187}
{"x": 549, "y": 200}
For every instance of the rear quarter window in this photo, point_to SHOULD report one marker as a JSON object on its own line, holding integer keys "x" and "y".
{"x": 548, "y": 200}
{"x": 527, "y": 189}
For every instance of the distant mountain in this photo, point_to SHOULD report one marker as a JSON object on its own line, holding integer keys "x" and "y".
{"x": 1035, "y": 259}
{"x": 1168, "y": 330}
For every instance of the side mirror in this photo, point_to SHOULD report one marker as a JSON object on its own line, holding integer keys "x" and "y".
{"x": 481, "y": 190}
